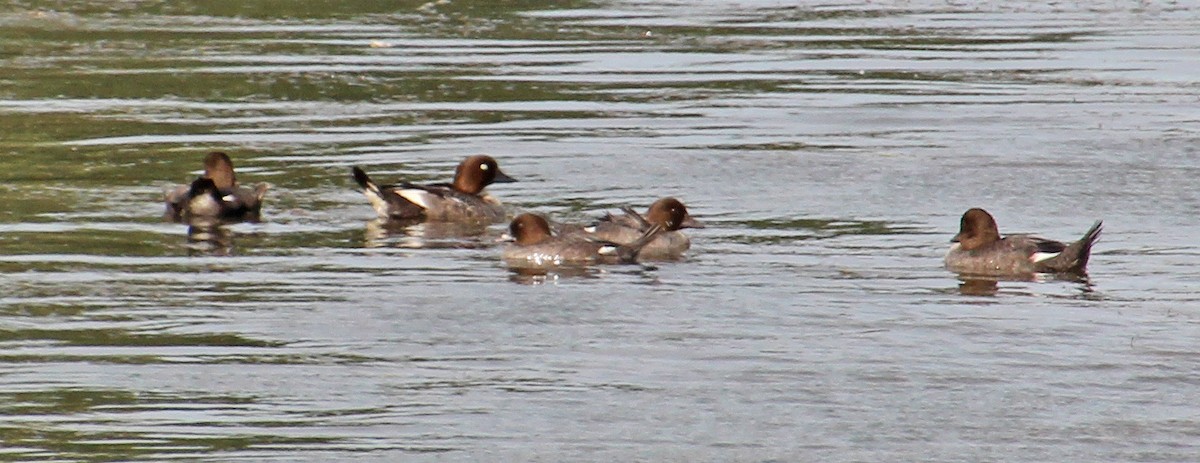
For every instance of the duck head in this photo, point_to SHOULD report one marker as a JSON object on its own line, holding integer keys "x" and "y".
{"x": 671, "y": 214}
{"x": 219, "y": 168}
{"x": 976, "y": 230}
{"x": 476, "y": 173}
{"x": 529, "y": 229}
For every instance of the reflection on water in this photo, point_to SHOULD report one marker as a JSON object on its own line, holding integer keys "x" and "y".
{"x": 211, "y": 239}
{"x": 432, "y": 235}
{"x": 978, "y": 287}
{"x": 830, "y": 149}
{"x": 541, "y": 276}
{"x": 971, "y": 285}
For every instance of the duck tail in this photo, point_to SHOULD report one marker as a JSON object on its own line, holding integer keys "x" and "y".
{"x": 1074, "y": 258}
{"x": 629, "y": 253}
{"x": 1083, "y": 247}
{"x": 632, "y": 214}
{"x": 373, "y": 193}
{"x": 364, "y": 181}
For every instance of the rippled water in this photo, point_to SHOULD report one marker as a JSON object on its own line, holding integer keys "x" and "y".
{"x": 830, "y": 148}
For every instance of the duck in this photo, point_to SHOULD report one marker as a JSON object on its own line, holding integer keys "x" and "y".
{"x": 978, "y": 249}
{"x": 534, "y": 246}
{"x": 668, "y": 213}
{"x": 235, "y": 203}
{"x": 462, "y": 200}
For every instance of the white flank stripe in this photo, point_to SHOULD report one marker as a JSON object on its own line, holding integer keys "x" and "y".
{"x": 418, "y": 197}
{"x": 1040, "y": 256}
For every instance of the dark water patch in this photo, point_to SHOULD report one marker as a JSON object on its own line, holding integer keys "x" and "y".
{"x": 118, "y": 337}
{"x": 117, "y": 445}
{"x": 77, "y": 400}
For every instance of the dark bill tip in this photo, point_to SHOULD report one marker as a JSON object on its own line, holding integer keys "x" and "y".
{"x": 502, "y": 177}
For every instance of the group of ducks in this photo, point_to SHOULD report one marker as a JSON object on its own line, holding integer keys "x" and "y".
{"x": 216, "y": 197}
{"x": 628, "y": 237}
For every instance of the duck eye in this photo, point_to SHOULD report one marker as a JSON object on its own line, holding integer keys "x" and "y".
{"x": 483, "y": 167}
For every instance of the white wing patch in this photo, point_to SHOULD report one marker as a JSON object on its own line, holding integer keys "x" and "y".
{"x": 608, "y": 250}
{"x": 419, "y": 197}
{"x": 1040, "y": 256}
{"x": 591, "y": 229}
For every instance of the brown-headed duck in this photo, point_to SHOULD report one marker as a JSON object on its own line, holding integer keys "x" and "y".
{"x": 234, "y": 202}
{"x": 462, "y": 200}
{"x": 668, "y": 213}
{"x": 979, "y": 249}
{"x": 535, "y": 247}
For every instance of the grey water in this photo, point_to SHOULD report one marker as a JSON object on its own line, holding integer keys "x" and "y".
{"x": 830, "y": 147}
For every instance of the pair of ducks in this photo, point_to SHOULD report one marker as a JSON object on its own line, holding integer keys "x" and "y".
{"x": 216, "y": 197}
{"x": 978, "y": 248}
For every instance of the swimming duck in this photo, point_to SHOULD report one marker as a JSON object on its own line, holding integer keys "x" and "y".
{"x": 236, "y": 203}
{"x": 979, "y": 249}
{"x": 534, "y": 246}
{"x": 668, "y": 213}
{"x": 462, "y": 200}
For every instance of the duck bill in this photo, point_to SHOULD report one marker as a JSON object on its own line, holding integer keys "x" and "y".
{"x": 689, "y": 222}
{"x": 502, "y": 177}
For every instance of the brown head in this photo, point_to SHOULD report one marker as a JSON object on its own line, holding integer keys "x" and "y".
{"x": 219, "y": 168}
{"x": 527, "y": 229}
{"x": 671, "y": 214}
{"x": 476, "y": 173}
{"x": 977, "y": 229}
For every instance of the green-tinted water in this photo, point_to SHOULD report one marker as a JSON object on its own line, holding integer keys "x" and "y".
{"x": 829, "y": 148}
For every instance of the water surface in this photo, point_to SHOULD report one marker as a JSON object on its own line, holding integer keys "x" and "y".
{"x": 830, "y": 148}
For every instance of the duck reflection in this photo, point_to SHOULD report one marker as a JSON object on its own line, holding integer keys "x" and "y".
{"x": 978, "y": 287}
{"x": 210, "y": 238}
{"x": 428, "y": 235}
{"x": 534, "y": 276}
{"x": 971, "y": 285}
{"x": 542, "y": 276}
